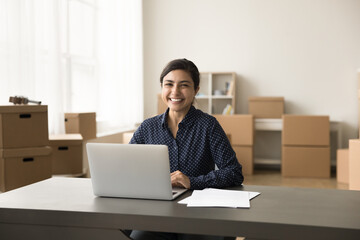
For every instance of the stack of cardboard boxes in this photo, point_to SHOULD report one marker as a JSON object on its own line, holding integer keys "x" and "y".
{"x": 354, "y": 153}
{"x": 342, "y": 165}
{"x": 67, "y": 155}
{"x": 305, "y": 146}
{"x": 240, "y": 128}
{"x": 354, "y": 164}
{"x": 84, "y": 124}
{"x": 24, "y": 146}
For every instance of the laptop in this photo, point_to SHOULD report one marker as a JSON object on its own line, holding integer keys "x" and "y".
{"x": 131, "y": 171}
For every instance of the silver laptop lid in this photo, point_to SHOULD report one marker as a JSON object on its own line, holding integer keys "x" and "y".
{"x": 130, "y": 170}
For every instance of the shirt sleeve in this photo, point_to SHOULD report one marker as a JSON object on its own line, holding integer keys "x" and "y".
{"x": 138, "y": 137}
{"x": 229, "y": 172}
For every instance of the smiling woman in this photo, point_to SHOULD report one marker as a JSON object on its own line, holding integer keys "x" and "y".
{"x": 180, "y": 83}
{"x": 195, "y": 140}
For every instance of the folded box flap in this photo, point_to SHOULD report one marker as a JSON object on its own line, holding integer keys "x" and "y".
{"x": 65, "y": 139}
{"x": 23, "y": 108}
{"x": 25, "y": 152}
{"x": 267, "y": 99}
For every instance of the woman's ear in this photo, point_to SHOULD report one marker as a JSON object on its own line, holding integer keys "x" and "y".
{"x": 197, "y": 90}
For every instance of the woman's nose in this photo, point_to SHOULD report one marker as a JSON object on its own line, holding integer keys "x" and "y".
{"x": 176, "y": 89}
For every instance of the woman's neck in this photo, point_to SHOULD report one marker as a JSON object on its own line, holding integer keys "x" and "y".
{"x": 176, "y": 117}
{"x": 173, "y": 120}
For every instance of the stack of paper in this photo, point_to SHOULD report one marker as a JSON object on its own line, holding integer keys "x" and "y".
{"x": 211, "y": 197}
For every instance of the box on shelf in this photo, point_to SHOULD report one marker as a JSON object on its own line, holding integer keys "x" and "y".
{"x": 245, "y": 156}
{"x": 301, "y": 130}
{"x": 266, "y": 107}
{"x": 23, "y": 166}
{"x": 67, "y": 154}
{"x": 342, "y": 165}
{"x": 305, "y": 162}
{"x": 83, "y": 123}
{"x": 354, "y": 164}
{"x": 23, "y": 126}
{"x": 161, "y": 106}
{"x": 239, "y": 126}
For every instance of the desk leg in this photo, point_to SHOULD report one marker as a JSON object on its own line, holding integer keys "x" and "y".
{"x": 24, "y": 231}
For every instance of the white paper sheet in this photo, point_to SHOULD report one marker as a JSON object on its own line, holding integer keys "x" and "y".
{"x": 212, "y": 197}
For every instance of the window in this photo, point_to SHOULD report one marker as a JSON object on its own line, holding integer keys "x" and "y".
{"x": 74, "y": 56}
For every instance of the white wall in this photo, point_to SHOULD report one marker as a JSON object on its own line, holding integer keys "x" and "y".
{"x": 305, "y": 50}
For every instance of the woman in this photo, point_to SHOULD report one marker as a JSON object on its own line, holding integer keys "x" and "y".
{"x": 195, "y": 139}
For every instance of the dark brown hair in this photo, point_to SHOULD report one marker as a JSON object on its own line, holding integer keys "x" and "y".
{"x": 182, "y": 64}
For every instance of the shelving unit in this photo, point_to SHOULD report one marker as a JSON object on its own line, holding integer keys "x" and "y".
{"x": 217, "y": 90}
{"x": 275, "y": 126}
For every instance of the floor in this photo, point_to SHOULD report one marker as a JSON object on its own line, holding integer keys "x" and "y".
{"x": 272, "y": 177}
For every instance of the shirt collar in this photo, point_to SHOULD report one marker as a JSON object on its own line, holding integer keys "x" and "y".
{"x": 186, "y": 122}
{"x": 163, "y": 118}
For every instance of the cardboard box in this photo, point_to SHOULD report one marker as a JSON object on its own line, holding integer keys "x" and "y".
{"x": 266, "y": 107}
{"x": 83, "y": 123}
{"x": 229, "y": 137}
{"x": 161, "y": 106}
{"x": 23, "y": 126}
{"x": 354, "y": 164}
{"x": 127, "y": 137}
{"x": 67, "y": 154}
{"x": 23, "y": 166}
{"x": 342, "y": 166}
{"x": 239, "y": 129}
{"x": 239, "y": 126}
{"x": 305, "y": 162}
{"x": 245, "y": 156}
{"x": 359, "y": 112}
{"x": 301, "y": 130}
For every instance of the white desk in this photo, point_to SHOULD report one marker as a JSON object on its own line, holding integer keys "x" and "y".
{"x": 272, "y": 124}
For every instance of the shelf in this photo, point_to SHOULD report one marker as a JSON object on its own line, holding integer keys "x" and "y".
{"x": 212, "y": 83}
{"x": 221, "y": 97}
{"x": 205, "y": 97}
{"x": 268, "y": 124}
{"x": 214, "y": 97}
{"x": 267, "y": 161}
{"x": 275, "y": 124}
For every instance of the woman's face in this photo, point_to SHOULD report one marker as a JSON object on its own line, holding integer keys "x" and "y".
{"x": 178, "y": 91}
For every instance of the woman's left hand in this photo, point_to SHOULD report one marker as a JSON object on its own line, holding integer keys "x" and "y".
{"x": 178, "y": 179}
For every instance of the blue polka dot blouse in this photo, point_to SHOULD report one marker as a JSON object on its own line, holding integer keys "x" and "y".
{"x": 200, "y": 144}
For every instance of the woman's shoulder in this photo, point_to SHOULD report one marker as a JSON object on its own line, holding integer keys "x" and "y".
{"x": 153, "y": 121}
{"x": 203, "y": 117}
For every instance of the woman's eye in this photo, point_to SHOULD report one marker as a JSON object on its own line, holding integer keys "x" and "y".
{"x": 168, "y": 84}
